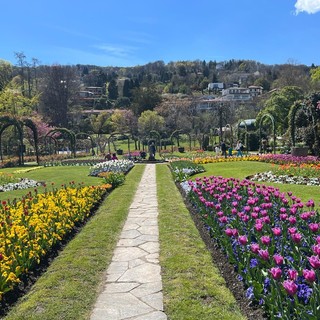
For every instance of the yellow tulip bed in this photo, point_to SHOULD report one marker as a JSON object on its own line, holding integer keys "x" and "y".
{"x": 31, "y": 227}
{"x": 212, "y": 159}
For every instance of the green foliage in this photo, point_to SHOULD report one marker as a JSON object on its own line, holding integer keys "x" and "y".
{"x": 116, "y": 179}
{"x": 150, "y": 121}
{"x": 182, "y": 170}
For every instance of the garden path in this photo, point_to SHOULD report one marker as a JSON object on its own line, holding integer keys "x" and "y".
{"x": 133, "y": 286}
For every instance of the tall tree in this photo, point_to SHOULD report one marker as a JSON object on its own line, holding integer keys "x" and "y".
{"x": 113, "y": 90}
{"x": 145, "y": 98}
{"x": 59, "y": 88}
{"x": 5, "y": 73}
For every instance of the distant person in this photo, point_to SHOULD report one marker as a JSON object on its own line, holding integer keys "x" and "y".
{"x": 223, "y": 149}
{"x": 230, "y": 150}
{"x": 239, "y": 148}
{"x": 114, "y": 157}
{"x": 152, "y": 151}
{"x": 217, "y": 150}
{"x": 107, "y": 156}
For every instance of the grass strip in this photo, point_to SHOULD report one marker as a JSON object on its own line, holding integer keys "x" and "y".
{"x": 193, "y": 287}
{"x": 69, "y": 288}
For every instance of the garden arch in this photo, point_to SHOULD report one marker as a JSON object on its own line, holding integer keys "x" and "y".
{"x": 177, "y": 132}
{"x": 69, "y": 134}
{"x": 80, "y": 134}
{"x": 8, "y": 121}
{"x": 268, "y": 115}
{"x": 117, "y": 133}
{"x": 292, "y": 117}
{"x": 246, "y": 133}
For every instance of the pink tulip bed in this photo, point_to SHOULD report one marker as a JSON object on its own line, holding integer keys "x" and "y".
{"x": 271, "y": 239}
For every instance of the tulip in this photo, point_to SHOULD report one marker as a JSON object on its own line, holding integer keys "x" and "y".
{"x": 292, "y": 230}
{"x": 315, "y": 262}
{"x": 259, "y": 226}
{"x": 276, "y": 231}
{"x": 276, "y": 273}
{"x": 292, "y": 220}
{"x": 243, "y": 240}
{"x": 293, "y": 274}
{"x": 290, "y": 287}
{"x": 278, "y": 259}
{"x": 265, "y": 240}
{"x": 314, "y": 227}
{"x": 264, "y": 254}
{"x": 309, "y": 275}
{"x": 255, "y": 247}
{"x": 316, "y": 249}
{"x": 296, "y": 237}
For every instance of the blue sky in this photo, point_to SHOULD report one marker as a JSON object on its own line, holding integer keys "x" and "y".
{"x": 135, "y": 32}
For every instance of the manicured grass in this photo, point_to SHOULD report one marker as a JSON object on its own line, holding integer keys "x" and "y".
{"x": 193, "y": 287}
{"x": 50, "y": 175}
{"x": 242, "y": 169}
{"x": 69, "y": 288}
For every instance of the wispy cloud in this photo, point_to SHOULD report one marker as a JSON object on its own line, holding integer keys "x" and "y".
{"x": 116, "y": 50}
{"x": 309, "y": 6}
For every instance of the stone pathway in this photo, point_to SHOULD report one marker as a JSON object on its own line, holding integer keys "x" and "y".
{"x": 133, "y": 287}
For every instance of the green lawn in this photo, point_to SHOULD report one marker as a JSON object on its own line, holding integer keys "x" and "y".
{"x": 192, "y": 285}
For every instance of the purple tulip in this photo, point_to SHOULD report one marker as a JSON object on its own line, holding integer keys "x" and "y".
{"x": 296, "y": 237}
{"x": 292, "y": 220}
{"x": 290, "y": 287}
{"x": 315, "y": 262}
{"x": 276, "y": 231}
{"x": 243, "y": 240}
{"x": 278, "y": 259}
{"x": 292, "y": 230}
{"x": 309, "y": 275}
{"x": 264, "y": 254}
{"x": 316, "y": 249}
{"x": 258, "y": 226}
{"x": 293, "y": 274}
{"x": 276, "y": 273}
{"x": 265, "y": 240}
{"x": 314, "y": 227}
{"x": 255, "y": 247}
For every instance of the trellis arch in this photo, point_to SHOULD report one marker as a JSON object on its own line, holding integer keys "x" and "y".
{"x": 6, "y": 122}
{"x": 69, "y": 133}
{"x": 116, "y": 133}
{"x": 178, "y": 132}
{"x": 31, "y": 125}
{"x": 246, "y": 132}
{"x": 270, "y": 116}
{"x": 89, "y": 137}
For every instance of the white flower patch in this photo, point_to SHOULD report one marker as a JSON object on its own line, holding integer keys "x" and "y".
{"x": 123, "y": 165}
{"x": 270, "y": 177}
{"x": 24, "y": 183}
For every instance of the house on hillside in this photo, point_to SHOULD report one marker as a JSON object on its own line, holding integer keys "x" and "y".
{"x": 236, "y": 93}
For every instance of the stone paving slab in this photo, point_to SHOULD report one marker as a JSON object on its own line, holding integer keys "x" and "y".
{"x": 133, "y": 286}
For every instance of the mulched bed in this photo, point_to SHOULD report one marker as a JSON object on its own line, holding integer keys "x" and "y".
{"x": 252, "y": 312}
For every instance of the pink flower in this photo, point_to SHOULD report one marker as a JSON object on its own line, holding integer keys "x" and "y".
{"x": 293, "y": 274}
{"x": 254, "y": 215}
{"x": 314, "y": 227}
{"x": 243, "y": 240}
{"x": 292, "y": 220}
{"x": 290, "y": 287}
{"x": 228, "y": 232}
{"x": 245, "y": 218}
{"x": 258, "y": 226}
{"x": 255, "y": 247}
{"x": 264, "y": 254}
{"x": 276, "y": 231}
{"x": 316, "y": 249}
{"x": 315, "y": 262}
{"x": 223, "y": 219}
{"x": 283, "y": 216}
{"x": 296, "y": 237}
{"x": 276, "y": 273}
{"x": 309, "y": 275}
{"x": 265, "y": 240}
{"x": 278, "y": 259}
{"x": 292, "y": 230}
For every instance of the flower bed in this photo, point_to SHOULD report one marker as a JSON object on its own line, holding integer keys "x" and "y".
{"x": 30, "y": 228}
{"x": 112, "y": 166}
{"x": 271, "y": 238}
